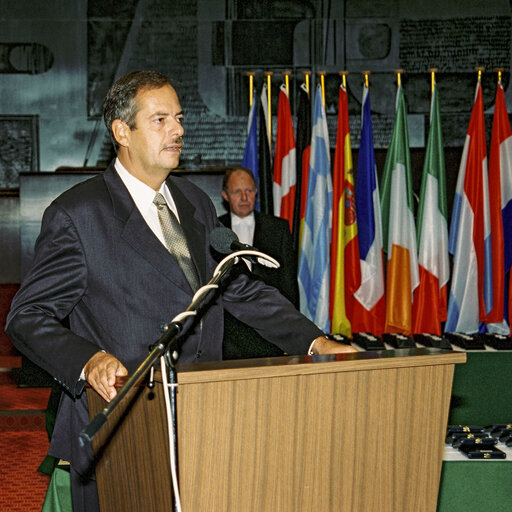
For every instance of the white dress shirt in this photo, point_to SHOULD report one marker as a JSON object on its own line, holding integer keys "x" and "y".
{"x": 243, "y": 227}
{"x": 143, "y": 197}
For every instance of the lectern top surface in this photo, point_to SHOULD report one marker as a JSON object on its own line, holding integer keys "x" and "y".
{"x": 293, "y": 365}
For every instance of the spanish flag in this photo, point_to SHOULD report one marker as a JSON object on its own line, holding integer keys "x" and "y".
{"x": 345, "y": 268}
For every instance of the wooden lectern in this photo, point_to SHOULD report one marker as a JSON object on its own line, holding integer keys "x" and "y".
{"x": 352, "y": 432}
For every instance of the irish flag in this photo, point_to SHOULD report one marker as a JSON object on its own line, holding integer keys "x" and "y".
{"x": 284, "y": 161}
{"x": 345, "y": 270}
{"x": 399, "y": 231}
{"x": 430, "y": 304}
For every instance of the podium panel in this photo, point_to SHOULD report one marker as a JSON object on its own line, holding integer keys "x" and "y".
{"x": 356, "y": 434}
{"x": 351, "y": 432}
{"x": 133, "y": 469}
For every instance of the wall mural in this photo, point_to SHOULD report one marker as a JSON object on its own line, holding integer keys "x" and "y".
{"x": 208, "y": 46}
{"x": 19, "y": 148}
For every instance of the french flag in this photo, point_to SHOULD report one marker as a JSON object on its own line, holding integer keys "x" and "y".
{"x": 500, "y": 189}
{"x": 470, "y": 232}
{"x": 369, "y": 306}
{"x": 284, "y": 161}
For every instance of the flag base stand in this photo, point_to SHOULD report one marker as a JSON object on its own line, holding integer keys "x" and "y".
{"x": 432, "y": 340}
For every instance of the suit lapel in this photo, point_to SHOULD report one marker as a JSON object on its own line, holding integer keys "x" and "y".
{"x": 259, "y": 231}
{"x": 138, "y": 234}
{"x": 194, "y": 229}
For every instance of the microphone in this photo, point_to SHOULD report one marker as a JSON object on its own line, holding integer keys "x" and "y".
{"x": 225, "y": 241}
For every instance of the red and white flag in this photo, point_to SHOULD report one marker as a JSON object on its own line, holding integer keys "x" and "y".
{"x": 284, "y": 161}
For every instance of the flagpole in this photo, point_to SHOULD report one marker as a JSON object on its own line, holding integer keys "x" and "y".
{"x": 322, "y": 74}
{"x": 499, "y": 71}
{"x": 398, "y": 73}
{"x": 433, "y": 72}
{"x": 307, "y": 74}
{"x": 286, "y": 75}
{"x": 479, "y": 70}
{"x": 269, "y": 74}
{"x": 366, "y": 75}
{"x": 251, "y": 74}
{"x": 343, "y": 75}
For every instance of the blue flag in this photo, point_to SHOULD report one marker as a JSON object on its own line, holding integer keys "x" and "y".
{"x": 250, "y": 159}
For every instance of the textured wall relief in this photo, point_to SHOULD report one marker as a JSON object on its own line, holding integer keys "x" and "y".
{"x": 19, "y": 148}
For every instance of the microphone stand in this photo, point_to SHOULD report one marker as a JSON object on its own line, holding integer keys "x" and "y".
{"x": 168, "y": 343}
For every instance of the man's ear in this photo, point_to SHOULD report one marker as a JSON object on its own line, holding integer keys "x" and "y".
{"x": 121, "y": 132}
{"x": 224, "y": 196}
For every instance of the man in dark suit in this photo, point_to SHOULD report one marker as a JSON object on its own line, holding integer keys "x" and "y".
{"x": 270, "y": 235}
{"x": 267, "y": 233}
{"x": 105, "y": 275}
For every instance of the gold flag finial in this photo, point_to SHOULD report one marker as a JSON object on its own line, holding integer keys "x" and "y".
{"x": 286, "y": 75}
{"x": 343, "y": 75}
{"x": 322, "y": 74}
{"x": 479, "y": 70}
{"x": 306, "y": 74}
{"x": 251, "y": 74}
{"x": 433, "y": 72}
{"x": 499, "y": 71}
{"x": 366, "y": 75}
{"x": 398, "y": 73}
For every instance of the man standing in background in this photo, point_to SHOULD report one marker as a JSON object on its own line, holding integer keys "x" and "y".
{"x": 270, "y": 235}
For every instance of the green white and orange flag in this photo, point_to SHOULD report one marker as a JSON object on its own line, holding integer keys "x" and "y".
{"x": 430, "y": 304}
{"x": 345, "y": 267}
{"x": 399, "y": 231}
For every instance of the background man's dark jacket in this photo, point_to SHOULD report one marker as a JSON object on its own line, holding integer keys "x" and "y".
{"x": 271, "y": 236}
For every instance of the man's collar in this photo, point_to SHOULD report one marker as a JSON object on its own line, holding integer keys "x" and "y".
{"x": 236, "y": 220}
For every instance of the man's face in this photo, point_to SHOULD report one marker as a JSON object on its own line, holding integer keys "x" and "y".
{"x": 241, "y": 193}
{"x": 154, "y": 144}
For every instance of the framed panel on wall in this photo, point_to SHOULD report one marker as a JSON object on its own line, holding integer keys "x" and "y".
{"x": 19, "y": 148}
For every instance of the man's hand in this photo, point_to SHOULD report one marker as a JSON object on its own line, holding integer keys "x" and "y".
{"x": 324, "y": 345}
{"x": 101, "y": 371}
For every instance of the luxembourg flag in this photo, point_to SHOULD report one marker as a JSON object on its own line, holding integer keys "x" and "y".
{"x": 250, "y": 159}
{"x": 284, "y": 161}
{"x": 398, "y": 226}
{"x": 470, "y": 232}
{"x": 369, "y": 307}
{"x": 345, "y": 270}
{"x": 314, "y": 257}
{"x": 500, "y": 189}
{"x": 430, "y": 298}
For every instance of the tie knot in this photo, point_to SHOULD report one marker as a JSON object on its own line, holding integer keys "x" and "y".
{"x": 159, "y": 200}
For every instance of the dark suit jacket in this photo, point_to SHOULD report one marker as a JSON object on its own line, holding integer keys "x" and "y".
{"x": 100, "y": 269}
{"x": 271, "y": 236}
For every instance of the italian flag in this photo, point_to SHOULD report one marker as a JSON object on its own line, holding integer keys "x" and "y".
{"x": 429, "y": 308}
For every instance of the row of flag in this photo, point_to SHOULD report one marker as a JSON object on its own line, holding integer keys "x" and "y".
{"x": 366, "y": 262}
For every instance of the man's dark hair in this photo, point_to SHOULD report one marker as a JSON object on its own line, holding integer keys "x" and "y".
{"x": 120, "y": 101}
{"x": 230, "y": 171}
